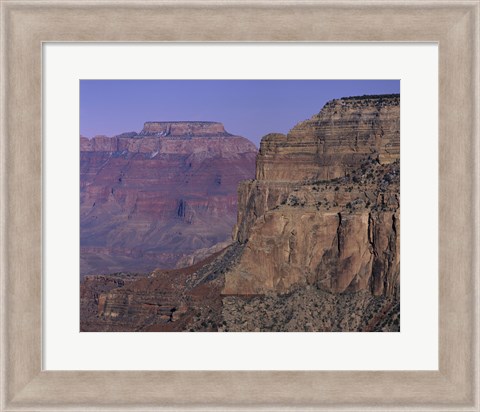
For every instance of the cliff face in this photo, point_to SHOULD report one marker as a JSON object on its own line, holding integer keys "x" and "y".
{"x": 333, "y": 142}
{"x": 340, "y": 241}
{"x": 149, "y": 199}
{"x": 324, "y": 209}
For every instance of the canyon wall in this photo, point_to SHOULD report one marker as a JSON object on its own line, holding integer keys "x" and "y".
{"x": 334, "y": 141}
{"x": 148, "y": 200}
{"x": 324, "y": 209}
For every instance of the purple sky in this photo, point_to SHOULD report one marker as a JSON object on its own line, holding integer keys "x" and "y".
{"x": 249, "y": 108}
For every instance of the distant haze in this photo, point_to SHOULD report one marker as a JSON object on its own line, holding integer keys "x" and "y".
{"x": 249, "y": 108}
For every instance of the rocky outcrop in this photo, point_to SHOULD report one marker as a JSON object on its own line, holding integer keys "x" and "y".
{"x": 324, "y": 209}
{"x": 333, "y": 142}
{"x": 327, "y": 234}
{"x": 165, "y": 300}
{"x": 92, "y": 290}
{"x": 148, "y": 200}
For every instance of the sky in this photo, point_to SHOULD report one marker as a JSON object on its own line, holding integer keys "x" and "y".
{"x": 249, "y": 108}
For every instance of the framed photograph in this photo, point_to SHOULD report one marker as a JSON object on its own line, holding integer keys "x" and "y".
{"x": 158, "y": 206}
{"x": 330, "y": 111}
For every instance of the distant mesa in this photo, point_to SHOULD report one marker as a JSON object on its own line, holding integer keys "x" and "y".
{"x": 160, "y": 136}
{"x": 153, "y": 198}
{"x": 183, "y": 129}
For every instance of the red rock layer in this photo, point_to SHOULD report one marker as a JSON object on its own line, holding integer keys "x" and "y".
{"x": 147, "y": 201}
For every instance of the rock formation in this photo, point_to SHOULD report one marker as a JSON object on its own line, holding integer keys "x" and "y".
{"x": 333, "y": 142}
{"x": 165, "y": 300}
{"x": 324, "y": 209}
{"x": 315, "y": 246}
{"x": 150, "y": 199}
{"x": 332, "y": 235}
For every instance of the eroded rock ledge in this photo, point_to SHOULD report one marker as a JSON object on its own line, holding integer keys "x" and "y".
{"x": 333, "y": 142}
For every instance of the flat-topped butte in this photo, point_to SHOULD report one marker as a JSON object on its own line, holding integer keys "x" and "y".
{"x": 183, "y": 129}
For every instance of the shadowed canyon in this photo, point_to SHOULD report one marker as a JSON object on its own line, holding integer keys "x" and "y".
{"x": 305, "y": 238}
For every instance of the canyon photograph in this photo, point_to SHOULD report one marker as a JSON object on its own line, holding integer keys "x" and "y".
{"x": 239, "y": 206}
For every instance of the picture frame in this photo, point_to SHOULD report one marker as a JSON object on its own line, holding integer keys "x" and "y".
{"x": 27, "y": 24}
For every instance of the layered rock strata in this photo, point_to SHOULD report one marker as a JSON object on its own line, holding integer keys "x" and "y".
{"x": 148, "y": 200}
{"x": 333, "y": 142}
{"x": 325, "y": 207}
{"x": 184, "y": 129}
{"x": 165, "y": 300}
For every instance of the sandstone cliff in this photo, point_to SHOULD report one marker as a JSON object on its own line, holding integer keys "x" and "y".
{"x": 333, "y": 142}
{"x": 324, "y": 209}
{"x": 148, "y": 200}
